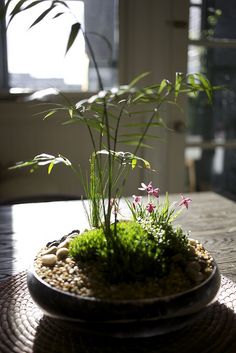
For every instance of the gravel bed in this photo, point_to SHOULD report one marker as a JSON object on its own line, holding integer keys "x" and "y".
{"x": 87, "y": 280}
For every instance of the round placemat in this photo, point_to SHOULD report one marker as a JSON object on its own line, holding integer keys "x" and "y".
{"x": 24, "y": 328}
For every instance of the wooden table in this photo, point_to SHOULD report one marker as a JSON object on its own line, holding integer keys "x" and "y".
{"x": 26, "y": 227}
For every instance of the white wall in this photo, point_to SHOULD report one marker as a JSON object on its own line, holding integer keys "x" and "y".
{"x": 24, "y": 135}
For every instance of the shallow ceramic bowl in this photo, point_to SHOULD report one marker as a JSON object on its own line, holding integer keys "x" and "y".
{"x": 125, "y": 318}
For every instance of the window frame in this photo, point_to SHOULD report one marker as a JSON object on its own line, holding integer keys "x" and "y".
{"x": 4, "y": 86}
{"x": 211, "y": 43}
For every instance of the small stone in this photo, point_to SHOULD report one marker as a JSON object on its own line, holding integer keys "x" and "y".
{"x": 77, "y": 231}
{"x": 63, "y": 238}
{"x": 192, "y": 249}
{"x": 74, "y": 232}
{"x": 208, "y": 271}
{"x": 52, "y": 243}
{"x": 62, "y": 253}
{"x": 72, "y": 236}
{"x": 51, "y": 250}
{"x": 64, "y": 244}
{"x": 192, "y": 242}
{"x": 49, "y": 260}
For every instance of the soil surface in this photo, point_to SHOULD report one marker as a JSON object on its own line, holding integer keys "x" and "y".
{"x": 59, "y": 270}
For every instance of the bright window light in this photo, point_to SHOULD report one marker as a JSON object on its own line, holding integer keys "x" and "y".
{"x": 37, "y": 55}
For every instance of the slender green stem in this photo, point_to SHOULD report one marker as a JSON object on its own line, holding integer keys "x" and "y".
{"x": 110, "y": 170}
{"x": 100, "y": 84}
{"x": 147, "y": 127}
{"x": 151, "y": 119}
{"x": 99, "y": 171}
{"x": 118, "y": 125}
{"x": 142, "y": 137}
{"x": 92, "y": 138}
{"x": 108, "y": 214}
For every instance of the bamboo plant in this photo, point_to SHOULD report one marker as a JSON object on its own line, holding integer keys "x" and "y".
{"x": 105, "y": 115}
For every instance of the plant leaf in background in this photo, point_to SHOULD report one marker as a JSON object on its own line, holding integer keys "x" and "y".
{"x": 179, "y": 77}
{"x": 42, "y": 160}
{"x": 43, "y": 14}
{"x": 73, "y": 35}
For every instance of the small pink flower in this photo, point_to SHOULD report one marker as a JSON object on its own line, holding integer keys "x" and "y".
{"x": 137, "y": 200}
{"x": 148, "y": 187}
{"x": 155, "y": 192}
{"x": 150, "y": 207}
{"x": 185, "y": 201}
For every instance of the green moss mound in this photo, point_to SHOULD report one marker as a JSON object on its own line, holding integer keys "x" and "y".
{"x": 133, "y": 253}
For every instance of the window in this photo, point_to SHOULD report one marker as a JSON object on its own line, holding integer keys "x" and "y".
{"x": 211, "y": 138}
{"x": 36, "y": 58}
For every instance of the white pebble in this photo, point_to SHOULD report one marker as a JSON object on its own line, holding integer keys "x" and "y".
{"x": 51, "y": 250}
{"x": 62, "y": 253}
{"x": 49, "y": 260}
{"x": 64, "y": 244}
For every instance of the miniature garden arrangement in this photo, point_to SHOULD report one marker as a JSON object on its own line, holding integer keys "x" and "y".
{"x": 140, "y": 271}
{"x": 149, "y": 258}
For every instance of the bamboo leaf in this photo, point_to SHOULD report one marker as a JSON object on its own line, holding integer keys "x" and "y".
{"x": 139, "y": 135}
{"x": 191, "y": 80}
{"x": 138, "y": 97}
{"x": 60, "y": 2}
{"x": 32, "y": 4}
{"x": 138, "y": 78}
{"x": 81, "y": 103}
{"x": 197, "y": 82}
{"x": 146, "y": 163}
{"x": 140, "y": 112}
{"x": 22, "y": 165}
{"x": 178, "y": 82}
{"x": 51, "y": 165}
{"x": 71, "y": 110}
{"x": 50, "y": 113}
{"x": 73, "y": 34}
{"x": 164, "y": 84}
{"x": 76, "y": 120}
{"x": 42, "y": 160}
{"x": 134, "y": 143}
{"x": 133, "y": 125}
{"x": 134, "y": 163}
{"x": 58, "y": 14}
{"x": 16, "y": 9}
{"x": 3, "y": 8}
{"x": 206, "y": 85}
{"x": 93, "y": 123}
{"x": 43, "y": 14}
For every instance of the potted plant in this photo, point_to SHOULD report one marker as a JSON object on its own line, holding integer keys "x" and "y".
{"x": 136, "y": 276}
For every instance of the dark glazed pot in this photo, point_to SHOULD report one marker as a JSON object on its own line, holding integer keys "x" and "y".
{"x": 125, "y": 318}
